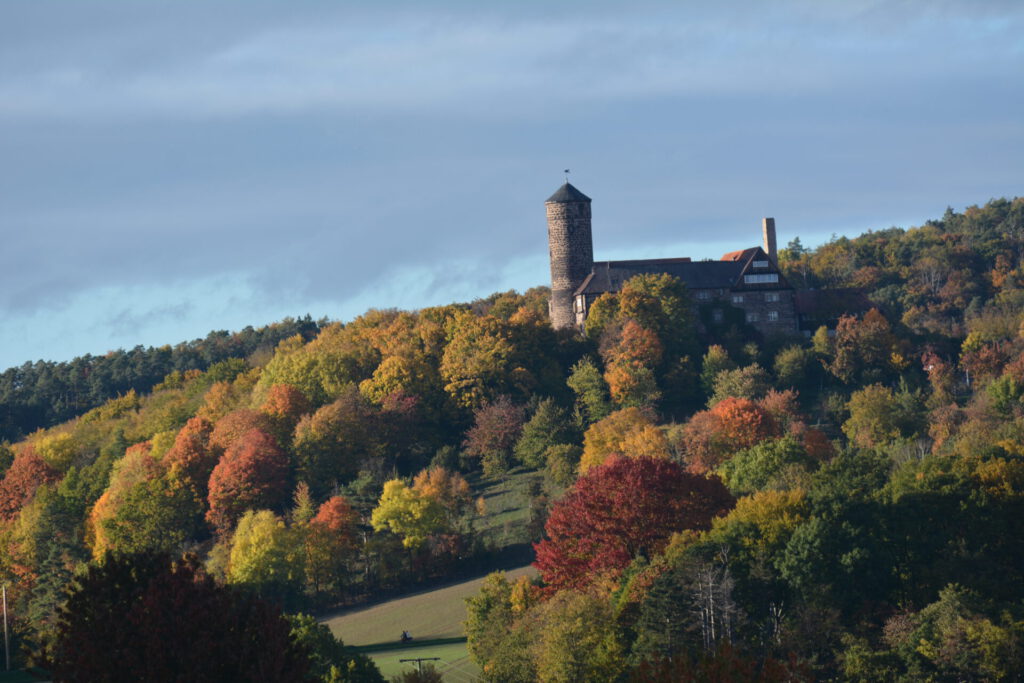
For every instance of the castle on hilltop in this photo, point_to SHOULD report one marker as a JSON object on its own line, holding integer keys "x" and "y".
{"x": 745, "y": 284}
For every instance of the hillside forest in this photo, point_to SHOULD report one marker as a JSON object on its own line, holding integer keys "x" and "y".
{"x": 702, "y": 502}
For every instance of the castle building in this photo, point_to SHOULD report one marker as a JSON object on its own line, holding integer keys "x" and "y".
{"x": 743, "y": 285}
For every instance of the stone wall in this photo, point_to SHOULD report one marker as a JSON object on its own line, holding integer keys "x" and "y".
{"x": 755, "y": 305}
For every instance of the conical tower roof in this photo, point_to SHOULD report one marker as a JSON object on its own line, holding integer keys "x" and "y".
{"x": 567, "y": 194}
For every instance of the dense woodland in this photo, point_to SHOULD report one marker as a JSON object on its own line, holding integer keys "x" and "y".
{"x": 705, "y": 502}
{"x": 44, "y": 393}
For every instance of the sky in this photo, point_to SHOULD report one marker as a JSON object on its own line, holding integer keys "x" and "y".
{"x": 168, "y": 169}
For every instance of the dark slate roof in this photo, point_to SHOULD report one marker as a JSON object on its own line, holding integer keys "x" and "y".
{"x": 567, "y": 193}
{"x": 609, "y": 276}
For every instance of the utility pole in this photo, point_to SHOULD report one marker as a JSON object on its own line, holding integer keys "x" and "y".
{"x": 7, "y": 644}
{"x": 419, "y": 661}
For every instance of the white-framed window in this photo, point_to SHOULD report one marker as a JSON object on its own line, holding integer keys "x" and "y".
{"x": 760, "y": 264}
{"x": 716, "y": 315}
{"x": 752, "y": 316}
{"x": 760, "y": 278}
{"x": 771, "y": 296}
{"x": 737, "y": 298}
{"x": 773, "y": 316}
{"x": 703, "y": 294}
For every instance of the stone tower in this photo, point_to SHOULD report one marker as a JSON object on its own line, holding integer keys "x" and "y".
{"x": 571, "y": 250}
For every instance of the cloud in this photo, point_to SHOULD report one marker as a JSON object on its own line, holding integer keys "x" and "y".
{"x": 407, "y": 59}
{"x": 128, "y": 321}
{"x": 205, "y": 165}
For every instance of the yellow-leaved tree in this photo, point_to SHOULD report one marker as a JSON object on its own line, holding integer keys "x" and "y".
{"x": 629, "y": 432}
{"x": 408, "y": 513}
{"x": 265, "y": 556}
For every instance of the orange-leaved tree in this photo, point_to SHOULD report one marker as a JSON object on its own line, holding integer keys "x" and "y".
{"x": 284, "y": 405}
{"x": 191, "y": 457}
{"x": 631, "y": 366}
{"x": 236, "y": 424}
{"x": 329, "y": 541}
{"x": 732, "y": 424}
{"x": 448, "y": 488}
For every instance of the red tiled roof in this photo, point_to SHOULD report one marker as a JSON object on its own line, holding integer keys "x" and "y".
{"x": 740, "y": 255}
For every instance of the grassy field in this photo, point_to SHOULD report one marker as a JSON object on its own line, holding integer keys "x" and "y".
{"x": 453, "y": 660}
{"x": 434, "y": 618}
{"x": 508, "y": 506}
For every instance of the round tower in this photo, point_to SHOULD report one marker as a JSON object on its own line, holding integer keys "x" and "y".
{"x": 570, "y": 248}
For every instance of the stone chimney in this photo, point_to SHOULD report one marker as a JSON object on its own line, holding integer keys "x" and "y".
{"x": 768, "y": 232}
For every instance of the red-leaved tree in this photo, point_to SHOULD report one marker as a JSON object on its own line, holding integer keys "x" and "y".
{"x": 237, "y": 424}
{"x": 252, "y": 474}
{"x": 622, "y": 509}
{"x": 337, "y": 517}
{"x": 23, "y": 477}
{"x": 191, "y": 457}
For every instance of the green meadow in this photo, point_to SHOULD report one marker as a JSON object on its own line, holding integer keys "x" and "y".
{"x": 433, "y": 618}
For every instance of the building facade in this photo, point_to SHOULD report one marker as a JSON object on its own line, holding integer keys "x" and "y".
{"x": 744, "y": 285}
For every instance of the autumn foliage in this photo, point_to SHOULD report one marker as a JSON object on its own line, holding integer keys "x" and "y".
{"x": 496, "y": 428}
{"x": 626, "y": 508}
{"x": 630, "y": 366}
{"x": 333, "y": 442}
{"x": 191, "y": 456}
{"x": 25, "y": 475}
{"x": 286, "y": 402}
{"x": 252, "y": 474}
{"x": 328, "y": 541}
{"x": 233, "y": 426}
{"x": 841, "y": 449}
{"x": 337, "y": 516}
{"x": 730, "y": 425}
{"x": 449, "y": 489}
{"x": 743, "y": 422}
{"x": 630, "y": 432}
{"x": 137, "y": 467}
{"x": 284, "y": 405}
